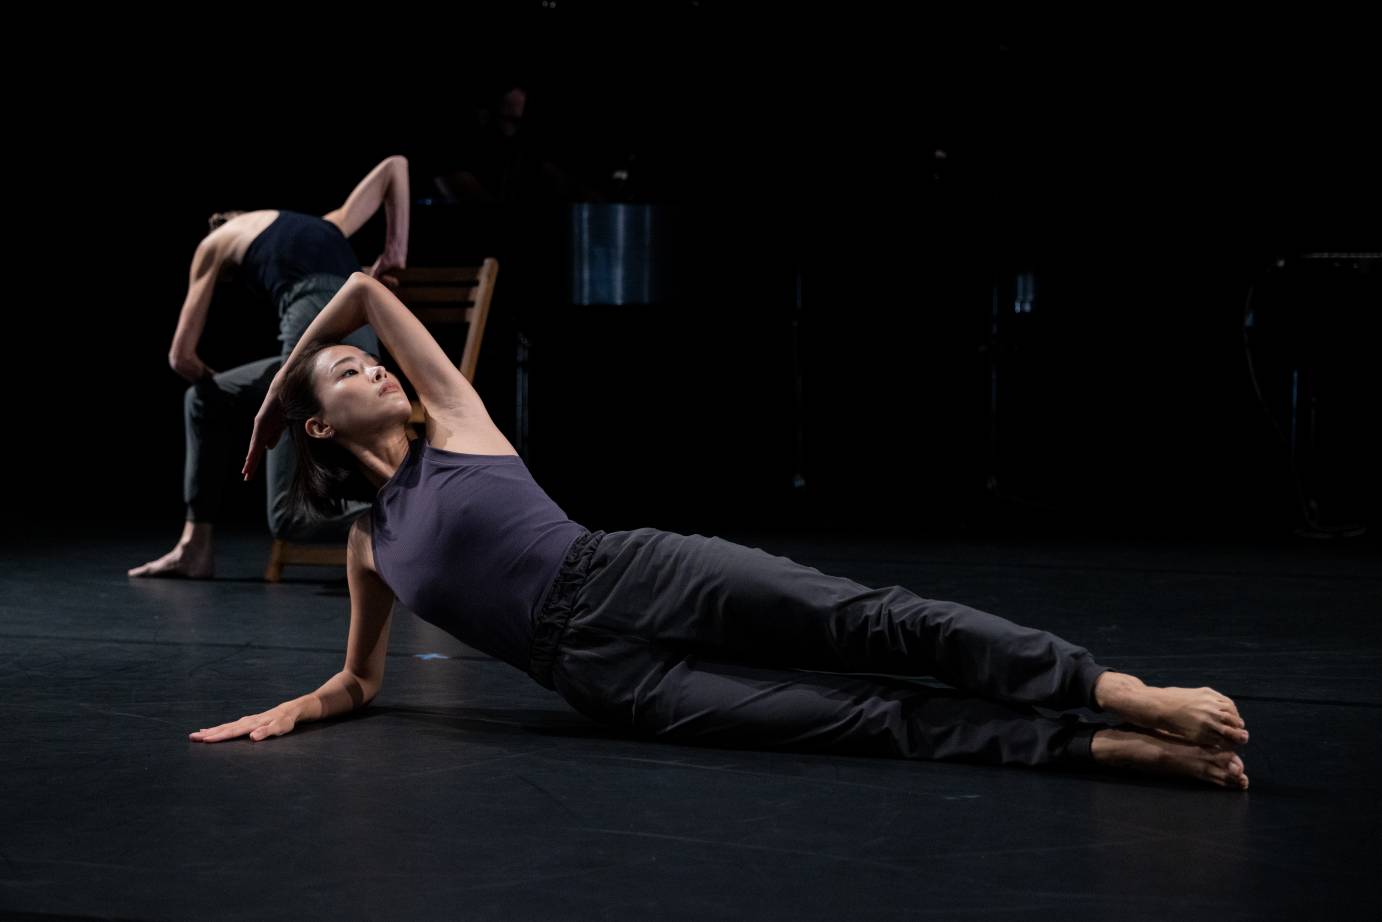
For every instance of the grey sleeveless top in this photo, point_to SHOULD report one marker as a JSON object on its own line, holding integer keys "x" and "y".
{"x": 470, "y": 543}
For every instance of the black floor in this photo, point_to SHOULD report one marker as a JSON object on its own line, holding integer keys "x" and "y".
{"x": 468, "y": 791}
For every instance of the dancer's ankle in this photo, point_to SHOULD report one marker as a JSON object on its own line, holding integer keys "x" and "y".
{"x": 1111, "y": 689}
{"x": 196, "y": 535}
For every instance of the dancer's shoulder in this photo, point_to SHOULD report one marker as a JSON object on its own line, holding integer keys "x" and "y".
{"x": 234, "y": 237}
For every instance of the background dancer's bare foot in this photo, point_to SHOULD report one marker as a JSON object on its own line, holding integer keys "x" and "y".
{"x": 191, "y": 558}
{"x": 1157, "y": 753}
{"x": 1198, "y": 715}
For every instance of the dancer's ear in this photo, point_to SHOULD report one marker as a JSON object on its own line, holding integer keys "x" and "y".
{"x": 319, "y": 430}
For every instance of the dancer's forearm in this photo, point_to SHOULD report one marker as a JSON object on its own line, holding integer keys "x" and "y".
{"x": 396, "y": 214}
{"x": 342, "y": 315}
{"x": 386, "y": 185}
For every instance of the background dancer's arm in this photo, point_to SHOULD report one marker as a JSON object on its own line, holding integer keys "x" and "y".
{"x": 387, "y": 185}
{"x": 201, "y": 283}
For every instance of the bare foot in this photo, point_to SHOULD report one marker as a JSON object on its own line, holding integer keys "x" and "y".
{"x": 191, "y": 558}
{"x": 1158, "y": 753}
{"x": 181, "y": 561}
{"x": 1198, "y": 715}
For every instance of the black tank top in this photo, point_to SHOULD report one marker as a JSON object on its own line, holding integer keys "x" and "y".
{"x": 292, "y": 247}
{"x": 470, "y": 543}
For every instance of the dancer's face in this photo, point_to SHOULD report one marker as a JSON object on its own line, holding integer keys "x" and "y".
{"x": 358, "y": 395}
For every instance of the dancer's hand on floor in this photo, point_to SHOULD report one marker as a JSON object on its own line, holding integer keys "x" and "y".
{"x": 274, "y": 722}
{"x": 269, "y": 424}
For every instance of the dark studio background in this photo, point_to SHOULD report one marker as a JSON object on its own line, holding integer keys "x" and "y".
{"x": 1147, "y": 175}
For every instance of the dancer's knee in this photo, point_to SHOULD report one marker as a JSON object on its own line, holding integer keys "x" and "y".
{"x": 288, "y": 525}
{"x": 204, "y": 400}
{"x": 284, "y": 523}
{"x": 192, "y": 403}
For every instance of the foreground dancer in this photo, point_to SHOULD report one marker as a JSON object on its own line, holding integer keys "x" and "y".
{"x": 677, "y": 637}
{"x": 298, "y": 261}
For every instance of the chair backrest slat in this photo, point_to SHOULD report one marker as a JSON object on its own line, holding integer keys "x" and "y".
{"x": 415, "y": 274}
{"x": 429, "y": 315}
{"x": 432, "y": 295}
{"x": 449, "y": 295}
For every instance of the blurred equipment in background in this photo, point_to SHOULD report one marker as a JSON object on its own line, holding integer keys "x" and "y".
{"x": 1006, "y": 348}
{"x": 1310, "y": 328}
{"x": 614, "y": 253}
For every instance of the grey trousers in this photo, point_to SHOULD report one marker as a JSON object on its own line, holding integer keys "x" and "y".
{"x": 219, "y": 414}
{"x": 700, "y": 640}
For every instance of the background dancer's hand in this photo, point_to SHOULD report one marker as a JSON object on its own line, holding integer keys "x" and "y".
{"x": 274, "y": 722}
{"x": 384, "y": 268}
{"x": 189, "y": 365}
{"x": 269, "y": 424}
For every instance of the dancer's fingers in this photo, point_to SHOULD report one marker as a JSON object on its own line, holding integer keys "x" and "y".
{"x": 255, "y": 453}
{"x": 210, "y": 734}
{"x": 274, "y": 722}
{"x": 252, "y": 456}
{"x": 224, "y": 731}
{"x": 263, "y": 730}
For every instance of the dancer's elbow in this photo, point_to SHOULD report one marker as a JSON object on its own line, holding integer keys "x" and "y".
{"x": 361, "y": 279}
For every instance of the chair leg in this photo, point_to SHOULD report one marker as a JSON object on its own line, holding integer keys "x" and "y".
{"x": 274, "y": 571}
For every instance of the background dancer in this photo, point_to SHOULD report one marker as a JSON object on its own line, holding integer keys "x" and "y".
{"x": 299, "y": 262}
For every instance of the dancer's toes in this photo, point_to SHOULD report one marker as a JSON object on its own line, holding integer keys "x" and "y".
{"x": 1200, "y": 715}
{"x": 1163, "y": 753}
{"x": 1227, "y": 770}
{"x": 1226, "y": 703}
{"x": 1227, "y": 731}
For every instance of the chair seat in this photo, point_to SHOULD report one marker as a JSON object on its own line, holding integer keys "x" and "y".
{"x": 285, "y": 553}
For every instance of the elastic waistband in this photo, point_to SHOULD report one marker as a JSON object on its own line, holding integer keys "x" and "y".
{"x": 557, "y": 605}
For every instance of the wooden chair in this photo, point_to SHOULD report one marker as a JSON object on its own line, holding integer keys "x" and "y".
{"x": 438, "y": 296}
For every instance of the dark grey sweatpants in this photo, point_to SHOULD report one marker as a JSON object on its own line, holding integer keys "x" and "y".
{"x": 219, "y": 415}
{"x": 700, "y": 640}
